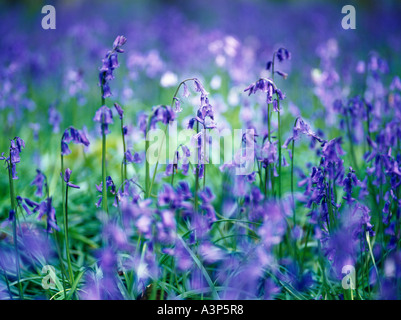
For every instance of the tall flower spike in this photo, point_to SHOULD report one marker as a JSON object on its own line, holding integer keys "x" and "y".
{"x": 16, "y": 146}
{"x": 109, "y": 63}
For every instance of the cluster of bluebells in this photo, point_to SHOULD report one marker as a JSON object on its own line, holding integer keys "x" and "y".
{"x": 110, "y": 63}
{"x": 267, "y": 86}
{"x": 72, "y": 135}
{"x": 230, "y": 239}
{"x": 44, "y": 208}
{"x": 16, "y": 146}
{"x": 160, "y": 113}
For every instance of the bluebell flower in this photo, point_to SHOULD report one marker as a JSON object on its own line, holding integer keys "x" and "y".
{"x": 66, "y": 177}
{"x": 104, "y": 116}
{"x": 109, "y": 64}
{"x": 39, "y": 182}
{"x": 72, "y": 135}
{"x": 119, "y": 110}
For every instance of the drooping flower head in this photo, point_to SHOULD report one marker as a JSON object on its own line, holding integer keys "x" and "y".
{"x": 301, "y": 128}
{"x": 66, "y": 177}
{"x": 281, "y": 54}
{"x": 269, "y": 87}
{"x": 72, "y": 135}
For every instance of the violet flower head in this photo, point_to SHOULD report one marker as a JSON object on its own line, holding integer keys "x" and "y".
{"x": 28, "y": 205}
{"x": 119, "y": 110}
{"x": 54, "y": 119}
{"x": 301, "y": 128}
{"x": 16, "y": 146}
{"x": 269, "y": 87}
{"x": 161, "y": 113}
{"x": 104, "y": 116}
{"x": 132, "y": 158}
{"x": 281, "y": 54}
{"x": 66, "y": 178}
{"x": 110, "y": 186}
{"x": 118, "y": 43}
{"x": 38, "y": 182}
{"x": 110, "y": 62}
{"x": 46, "y": 208}
{"x": 349, "y": 182}
{"x": 72, "y": 135}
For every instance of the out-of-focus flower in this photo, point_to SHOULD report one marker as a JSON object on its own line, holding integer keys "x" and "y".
{"x": 104, "y": 116}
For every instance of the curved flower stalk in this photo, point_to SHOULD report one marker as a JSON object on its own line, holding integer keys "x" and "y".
{"x": 268, "y": 86}
{"x": 273, "y": 97}
{"x": 163, "y": 114}
{"x": 66, "y": 177}
{"x": 124, "y": 131}
{"x": 205, "y": 117}
{"x": 167, "y": 114}
{"x": 300, "y": 128}
{"x": 77, "y": 137}
{"x": 104, "y": 114}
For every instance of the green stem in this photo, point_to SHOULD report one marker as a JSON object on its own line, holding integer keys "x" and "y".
{"x": 279, "y": 146}
{"x": 197, "y": 175}
{"x": 125, "y": 150}
{"x": 266, "y": 177}
{"x": 147, "y": 169}
{"x": 157, "y": 163}
{"x": 292, "y": 180}
{"x": 204, "y": 160}
{"x": 67, "y": 244}
{"x": 57, "y": 242}
{"x": 148, "y": 184}
{"x": 104, "y": 186}
{"x": 351, "y": 143}
{"x": 14, "y": 208}
{"x": 172, "y": 178}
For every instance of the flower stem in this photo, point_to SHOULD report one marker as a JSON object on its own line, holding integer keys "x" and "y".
{"x": 13, "y": 207}
{"x": 147, "y": 170}
{"x": 125, "y": 150}
{"x": 157, "y": 163}
{"x": 279, "y": 146}
{"x": 148, "y": 184}
{"x": 67, "y": 244}
{"x": 204, "y": 160}
{"x": 104, "y": 186}
{"x": 292, "y": 180}
{"x": 196, "y": 175}
{"x": 350, "y": 142}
